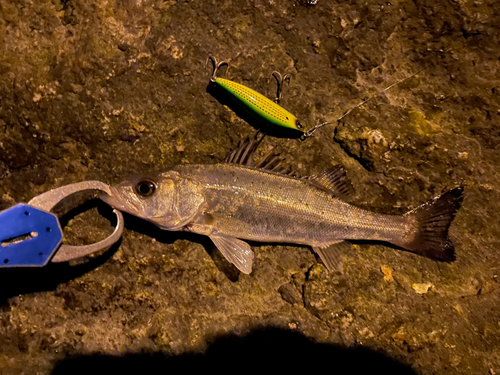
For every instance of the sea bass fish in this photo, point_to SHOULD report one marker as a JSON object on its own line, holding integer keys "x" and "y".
{"x": 239, "y": 200}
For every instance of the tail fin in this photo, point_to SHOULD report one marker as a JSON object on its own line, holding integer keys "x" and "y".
{"x": 433, "y": 220}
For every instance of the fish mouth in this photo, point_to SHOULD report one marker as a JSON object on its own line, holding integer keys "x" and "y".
{"x": 116, "y": 201}
{"x": 110, "y": 199}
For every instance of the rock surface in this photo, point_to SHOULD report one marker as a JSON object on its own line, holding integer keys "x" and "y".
{"x": 101, "y": 89}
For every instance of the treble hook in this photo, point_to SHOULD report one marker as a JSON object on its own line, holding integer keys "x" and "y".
{"x": 281, "y": 81}
{"x": 217, "y": 66}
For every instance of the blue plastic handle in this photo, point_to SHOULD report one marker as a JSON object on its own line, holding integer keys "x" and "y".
{"x": 28, "y": 236}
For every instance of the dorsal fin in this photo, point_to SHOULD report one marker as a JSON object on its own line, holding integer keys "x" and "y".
{"x": 335, "y": 181}
{"x": 270, "y": 162}
{"x": 244, "y": 151}
{"x": 273, "y": 162}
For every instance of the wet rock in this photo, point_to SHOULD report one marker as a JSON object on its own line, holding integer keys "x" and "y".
{"x": 100, "y": 90}
{"x": 290, "y": 294}
{"x": 368, "y": 146}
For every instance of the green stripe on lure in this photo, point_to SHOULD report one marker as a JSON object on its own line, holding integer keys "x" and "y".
{"x": 256, "y": 106}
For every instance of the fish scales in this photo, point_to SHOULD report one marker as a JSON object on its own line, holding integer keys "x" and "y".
{"x": 262, "y": 206}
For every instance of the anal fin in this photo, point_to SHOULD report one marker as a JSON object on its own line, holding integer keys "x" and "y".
{"x": 332, "y": 255}
{"x": 236, "y": 251}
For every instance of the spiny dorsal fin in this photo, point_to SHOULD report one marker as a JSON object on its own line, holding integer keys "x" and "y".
{"x": 270, "y": 162}
{"x": 273, "y": 162}
{"x": 244, "y": 152}
{"x": 334, "y": 180}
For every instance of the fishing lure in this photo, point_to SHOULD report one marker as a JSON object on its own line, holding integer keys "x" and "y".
{"x": 255, "y": 107}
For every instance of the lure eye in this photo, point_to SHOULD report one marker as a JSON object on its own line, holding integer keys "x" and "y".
{"x": 298, "y": 125}
{"x": 145, "y": 188}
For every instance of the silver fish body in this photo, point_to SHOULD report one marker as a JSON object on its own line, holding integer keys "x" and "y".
{"x": 235, "y": 201}
{"x": 261, "y": 206}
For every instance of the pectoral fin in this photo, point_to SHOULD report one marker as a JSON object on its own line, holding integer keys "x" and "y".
{"x": 235, "y": 251}
{"x": 331, "y": 256}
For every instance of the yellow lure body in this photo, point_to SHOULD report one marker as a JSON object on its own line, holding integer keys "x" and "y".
{"x": 258, "y": 106}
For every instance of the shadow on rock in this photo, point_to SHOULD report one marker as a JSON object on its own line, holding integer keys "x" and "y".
{"x": 17, "y": 281}
{"x": 263, "y": 351}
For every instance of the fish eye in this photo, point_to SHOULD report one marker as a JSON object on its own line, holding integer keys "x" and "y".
{"x": 298, "y": 125}
{"x": 145, "y": 188}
